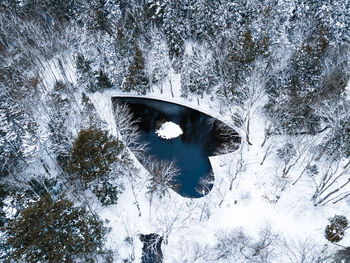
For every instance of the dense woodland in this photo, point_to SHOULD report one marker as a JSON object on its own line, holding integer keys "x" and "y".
{"x": 290, "y": 58}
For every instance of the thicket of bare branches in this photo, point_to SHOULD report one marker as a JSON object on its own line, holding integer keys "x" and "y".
{"x": 237, "y": 246}
{"x": 306, "y": 251}
{"x": 161, "y": 176}
{"x": 127, "y": 127}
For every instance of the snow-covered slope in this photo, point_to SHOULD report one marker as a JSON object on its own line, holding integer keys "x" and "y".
{"x": 249, "y": 193}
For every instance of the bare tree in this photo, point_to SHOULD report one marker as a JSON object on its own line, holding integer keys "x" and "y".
{"x": 173, "y": 215}
{"x": 336, "y": 116}
{"x": 246, "y": 103}
{"x": 161, "y": 176}
{"x": 236, "y": 167}
{"x": 228, "y": 138}
{"x": 296, "y": 151}
{"x": 127, "y": 127}
{"x": 332, "y": 185}
{"x": 237, "y": 246}
{"x": 191, "y": 252}
{"x": 205, "y": 184}
{"x": 304, "y": 251}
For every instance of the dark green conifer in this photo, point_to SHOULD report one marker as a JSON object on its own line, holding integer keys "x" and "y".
{"x": 103, "y": 82}
{"x": 93, "y": 154}
{"x": 54, "y": 231}
{"x": 137, "y": 78}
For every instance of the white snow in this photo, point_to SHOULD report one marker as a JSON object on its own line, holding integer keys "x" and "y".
{"x": 169, "y": 130}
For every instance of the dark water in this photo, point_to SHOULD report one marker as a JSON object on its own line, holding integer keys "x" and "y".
{"x": 151, "y": 250}
{"x": 190, "y": 151}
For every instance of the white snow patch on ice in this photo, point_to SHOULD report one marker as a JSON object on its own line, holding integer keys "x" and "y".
{"x": 169, "y": 130}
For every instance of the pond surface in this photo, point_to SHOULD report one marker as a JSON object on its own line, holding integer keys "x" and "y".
{"x": 190, "y": 150}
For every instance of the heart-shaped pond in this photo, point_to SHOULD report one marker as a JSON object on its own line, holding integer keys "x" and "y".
{"x": 183, "y": 135}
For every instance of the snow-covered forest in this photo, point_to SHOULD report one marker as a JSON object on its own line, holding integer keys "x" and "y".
{"x": 277, "y": 71}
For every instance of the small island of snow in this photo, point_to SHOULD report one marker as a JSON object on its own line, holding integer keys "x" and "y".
{"x": 169, "y": 130}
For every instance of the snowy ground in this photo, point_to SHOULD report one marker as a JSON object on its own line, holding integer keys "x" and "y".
{"x": 245, "y": 195}
{"x": 256, "y": 198}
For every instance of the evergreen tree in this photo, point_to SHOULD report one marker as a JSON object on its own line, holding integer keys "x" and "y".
{"x": 236, "y": 56}
{"x": 176, "y": 45}
{"x": 133, "y": 22}
{"x": 118, "y": 52}
{"x": 60, "y": 132}
{"x": 88, "y": 115}
{"x": 137, "y": 78}
{"x": 204, "y": 19}
{"x": 18, "y": 141}
{"x": 286, "y": 153}
{"x": 295, "y": 91}
{"x": 86, "y": 76}
{"x": 82, "y": 64}
{"x": 158, "y": 62}
{"x": 176, "y": 30}
{"x": 103, "y": 82}
{"x": 334, "y": 232}
{"x": 97, "y": 16}
{"x": 54, "y": 231}
{"x": 196, "y": 73}
{"x": 93, "y": 155}
{"x": 107, "y": 191}
{"x": 62, "y": 10}
{"x": 154, "y": 11}
{"x": 3, "y": 195}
